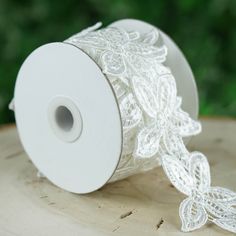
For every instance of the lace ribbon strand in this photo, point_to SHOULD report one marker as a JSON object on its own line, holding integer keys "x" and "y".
{"x": 154, "y": 123}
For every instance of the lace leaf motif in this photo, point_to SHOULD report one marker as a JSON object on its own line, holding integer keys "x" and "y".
{"x": 113, "y": 63}
{"x": 158, "y": 99}
{"x": 204, "y": 202}
{"x": 145, "y": 95}
{"x": 177, "y": 174}
{"x": 130, "y": 113}
{"x": 192, "y": 215}
{"x": 147, "y": 142}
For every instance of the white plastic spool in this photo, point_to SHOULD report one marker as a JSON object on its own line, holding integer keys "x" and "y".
{"x": 68, "y": 117}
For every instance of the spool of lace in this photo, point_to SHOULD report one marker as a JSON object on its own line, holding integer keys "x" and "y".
{"x": 103, "y": 105}
{"x": 121, "y": 51}
{"x": 133, "y": 63}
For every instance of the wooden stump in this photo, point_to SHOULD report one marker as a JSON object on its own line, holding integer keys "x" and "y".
{"x": 144, "y": 204}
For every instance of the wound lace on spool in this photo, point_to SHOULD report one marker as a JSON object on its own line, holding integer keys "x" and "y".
{"x": 154, "y": 123}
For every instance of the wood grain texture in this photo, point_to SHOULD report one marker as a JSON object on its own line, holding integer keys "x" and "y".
{"x": 144, "y": 204}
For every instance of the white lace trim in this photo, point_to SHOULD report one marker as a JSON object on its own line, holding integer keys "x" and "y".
{"x": 154, "y": 123}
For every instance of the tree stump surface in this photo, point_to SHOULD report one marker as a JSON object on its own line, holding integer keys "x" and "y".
{"x": 144, "y": 204}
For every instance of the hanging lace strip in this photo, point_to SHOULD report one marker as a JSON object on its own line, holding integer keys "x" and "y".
{"x": 154, "y": 123}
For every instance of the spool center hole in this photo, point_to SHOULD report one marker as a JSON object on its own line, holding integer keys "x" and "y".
{"x": 64, "y": 118}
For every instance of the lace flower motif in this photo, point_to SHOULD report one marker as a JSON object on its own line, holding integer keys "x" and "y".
{"x": 119, "y": 48}
{"x": 158, "y": 99}
{"x": 204, "y": 202}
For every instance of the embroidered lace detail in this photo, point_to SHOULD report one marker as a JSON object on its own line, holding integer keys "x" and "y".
{"x": 154, "y": 123}
{"x": 204, "y": 202}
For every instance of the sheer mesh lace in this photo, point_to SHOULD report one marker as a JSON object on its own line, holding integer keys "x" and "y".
{"x": 154, "y": 123}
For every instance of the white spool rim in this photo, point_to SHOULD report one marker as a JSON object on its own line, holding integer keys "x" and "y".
{"x": 176, "y": 61}
{"x": 86, "y": 157}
